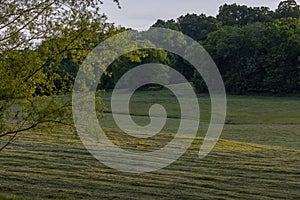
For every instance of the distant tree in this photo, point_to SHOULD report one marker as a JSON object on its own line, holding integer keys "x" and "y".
{"x": 170, "y": 24}
{"x": 280, "y": 58}
{"x": 236, "y": 52}
{"x": 230, "y": 15}
{"x": 233, "y": 14}
{"x": 199, "y": 83}
{"x": 197, "y": 26}
{"x": 254, "y": 50}
{"x": 128, "y": 61}
{"x": 258, "y": 57}
{"x": 260, "y": 14}
{"x": 288, "y": 8}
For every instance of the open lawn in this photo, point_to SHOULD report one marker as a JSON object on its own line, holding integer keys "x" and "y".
{"x": 257, "y": 157}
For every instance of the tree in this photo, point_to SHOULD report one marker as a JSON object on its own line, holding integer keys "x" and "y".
{"x": 236, "y": 52}
{"x": 260, "y": 14}
{"x": 197, "y": 26}
{"x": 288, "y": 8}
{"x": 27, "y": 69}
{"x": 258, "y": 57}
{"x": 230, "y": 15}
{"x": 281, "y": 50}
{"x": 128, "y": 61}
{"x": 233, "y": 14}
{"x": 170, "y": 24}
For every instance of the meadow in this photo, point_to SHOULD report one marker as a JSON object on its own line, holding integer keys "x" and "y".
{"x": 257, "y": 156}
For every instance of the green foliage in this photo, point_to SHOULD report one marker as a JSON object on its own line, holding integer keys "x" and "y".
{"x": 255, "y": 51}
{"x": 199, "y": 83}
{"x": 258, "y": 57}
{"x": 281, "y": 48}
{"x": 288, "y": 8}
{"x": 255, "y": 56}
{"x": 234, "y": 51}
{"x": 197, "y": 26}
{"x": 128, "y": 61}
{"x": 35, "y": 38}
{"x": 230, "y": 15}
{"x": 4, "y": 197}
{"x": 170, "y": 24}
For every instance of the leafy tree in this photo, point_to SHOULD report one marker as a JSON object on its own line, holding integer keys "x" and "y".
{"x": 281, "y": 50}
{"x": 126, "y": 62}
{"x": 288, "y": 8}
{"x": 260, "y": 14}
{"x": 235, "y": 51}
{"x": 256, "y": 58}
{"x": 233, "y": 14}
{"x": 28, "y": 69}
{"x": 170, "y": 24}
{"x": 230, "y": 15}
{"x": 255, "y": 52}
{"x": 197, "y": 26}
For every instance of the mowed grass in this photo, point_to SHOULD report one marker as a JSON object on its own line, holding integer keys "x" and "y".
{"x": 257, "y": 157}
{"x": 265, "y": 120}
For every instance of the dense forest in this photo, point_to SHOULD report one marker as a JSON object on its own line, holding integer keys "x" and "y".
{"x": 257, "y": 50}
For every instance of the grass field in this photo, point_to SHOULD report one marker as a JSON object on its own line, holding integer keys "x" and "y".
{"x": 257, "y": 157}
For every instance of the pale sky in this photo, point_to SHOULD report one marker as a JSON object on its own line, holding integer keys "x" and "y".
{"x": 141, "y": 14}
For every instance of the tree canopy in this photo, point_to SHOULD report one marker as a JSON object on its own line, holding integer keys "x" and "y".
{"x": 256, "y": 49}
{"x": 35, "y": 37}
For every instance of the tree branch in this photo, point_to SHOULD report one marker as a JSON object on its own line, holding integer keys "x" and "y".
{"x": 48, "y": 61}
{"x": 19, "y": 130}
{"x": 9, "y": 141}
{"x": 26, "y": 24}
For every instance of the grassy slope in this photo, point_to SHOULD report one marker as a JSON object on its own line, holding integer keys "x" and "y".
{"x": 258, "y": 157}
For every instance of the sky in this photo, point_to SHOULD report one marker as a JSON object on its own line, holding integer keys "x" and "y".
{"x": 141, "y": 14}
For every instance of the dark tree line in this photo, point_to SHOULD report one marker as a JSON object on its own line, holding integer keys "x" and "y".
{"x": 256, "y": 49}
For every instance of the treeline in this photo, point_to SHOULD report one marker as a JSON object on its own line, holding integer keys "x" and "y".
{"x": 257, "y": 50}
